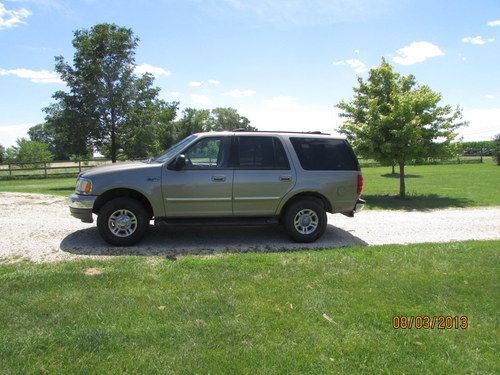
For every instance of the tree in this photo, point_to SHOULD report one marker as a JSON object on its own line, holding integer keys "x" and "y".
{"x": 193, "y": 121}
{"x": 105, "y": 95}
{"x": 229, "y": 119}
{"x": 2, "y": 154}
{"x": 496, "y": 148}
{"x": 47, "y": 133}
{"x": 394, "y": 120}
{"x": 29, "y": 151}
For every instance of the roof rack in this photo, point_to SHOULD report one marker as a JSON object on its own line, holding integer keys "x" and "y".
{"x": 278, "y": 131}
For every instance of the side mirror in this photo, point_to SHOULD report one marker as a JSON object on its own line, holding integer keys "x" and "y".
{"x": 179, "y": 162}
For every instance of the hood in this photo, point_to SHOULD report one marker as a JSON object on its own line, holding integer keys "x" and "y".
{"x": 117, "y": 167}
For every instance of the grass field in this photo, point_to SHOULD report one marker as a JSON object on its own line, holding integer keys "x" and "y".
{"x": 434, "y": 186}
{"x": 428, "y": 186}
{"x": 320, "y": 312}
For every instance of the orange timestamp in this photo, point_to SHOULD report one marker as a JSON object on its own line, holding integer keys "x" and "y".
{"x": 430, "y": 322}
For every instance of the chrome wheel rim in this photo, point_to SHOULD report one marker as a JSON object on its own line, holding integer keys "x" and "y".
{"x": 122, "y": 223}
{"x": 306, "y": 221}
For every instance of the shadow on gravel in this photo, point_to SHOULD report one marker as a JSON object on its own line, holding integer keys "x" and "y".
{"x": 414, "y": 202}
{"x": 205, "y": 240}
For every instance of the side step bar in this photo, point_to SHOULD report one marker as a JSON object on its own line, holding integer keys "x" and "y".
{"x": 228, "y": 221}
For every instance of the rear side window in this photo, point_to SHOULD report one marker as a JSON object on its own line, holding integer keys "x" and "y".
{"x": 324, "y": 154}
{"x": 259, "y": 153}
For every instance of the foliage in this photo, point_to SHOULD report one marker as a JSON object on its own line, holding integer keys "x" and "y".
{"x": 57, "y": 141}
{"x": 496, "y": 149}
{"x": 394, "y": 120}
{"x": 203, "y": 120}
{"x": 484, "y": 148}
{"x": 29, "y": 151}
{"x": 229, "y": 119}
{"x": 2, "y": 154}
{"x": 108, "y": 106}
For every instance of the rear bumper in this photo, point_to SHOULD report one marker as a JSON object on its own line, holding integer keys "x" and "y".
{"x": 80, "y": 206}
{"x": 359, "y": 205}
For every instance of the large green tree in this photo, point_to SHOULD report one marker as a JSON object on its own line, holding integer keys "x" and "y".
{"x": 107, "y": 103}
{"x": 394, "y": 120}
{"x": 2, "y": 154}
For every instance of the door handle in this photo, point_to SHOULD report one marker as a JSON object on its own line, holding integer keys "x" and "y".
{"x": 286, "y": 178}
{"x": 218, "y": 178}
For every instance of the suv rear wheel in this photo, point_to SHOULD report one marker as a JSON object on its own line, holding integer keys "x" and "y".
{"x": 305, "y": 220}
{"x": 122, "y": 221}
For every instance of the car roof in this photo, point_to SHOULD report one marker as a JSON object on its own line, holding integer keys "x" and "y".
{"x": 279, "y": 133}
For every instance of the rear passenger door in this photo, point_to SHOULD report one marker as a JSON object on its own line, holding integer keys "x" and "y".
{"x": 262, "y": 175}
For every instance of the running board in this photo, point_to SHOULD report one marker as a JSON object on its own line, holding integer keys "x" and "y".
{"x": 228, "y": 221}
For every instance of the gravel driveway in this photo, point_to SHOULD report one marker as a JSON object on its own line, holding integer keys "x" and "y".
{"x": 40, "y": 228}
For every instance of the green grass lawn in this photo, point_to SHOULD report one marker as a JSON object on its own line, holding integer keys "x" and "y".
{"x": 428, "y": 186}
{"x": 55, "y": 186}
{"x": 255, "y": 313}
{"x": 434, "y": 186}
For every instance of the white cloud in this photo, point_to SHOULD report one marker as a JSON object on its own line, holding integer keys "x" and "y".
{"x": 479, "y": 40}
{"x": 10, "y": 133}
{"x": 285, "y": 113}
{"x": 201, "y": 99}
{"x": 356, "y": 51}
{"x": 358, "y": 65}
{"x": 213, "y": 82}
{"x": 417, "y": 52}
{"x": 176, "y": 95}
{"x": 483, "y": 124}
{"x": 494, "y": 23}
{"x": 36, "y": 76}
{"x": 12, "y": 18}
{"x": 155, "y": 70}
{"x": 239, "y": 93}
{"x": 195, "y": 84}
{"x": 489, "y": 96}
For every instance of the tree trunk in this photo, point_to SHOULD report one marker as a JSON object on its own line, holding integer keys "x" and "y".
{"x": 402, "y": 189}
{"x": 393, "y": 171}
{"x": 113, "y": 137}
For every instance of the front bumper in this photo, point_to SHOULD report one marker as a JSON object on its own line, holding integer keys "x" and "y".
{"x": 80, "y": 206}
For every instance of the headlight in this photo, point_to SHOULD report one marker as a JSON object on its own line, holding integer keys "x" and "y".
{"x": 83, "y": 186}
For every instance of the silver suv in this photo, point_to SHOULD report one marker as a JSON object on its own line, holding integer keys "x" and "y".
{"x": 225, "y": 178}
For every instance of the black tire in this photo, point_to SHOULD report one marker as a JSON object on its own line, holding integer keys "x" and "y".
{"x": 121, "y": 237}
{"x": 306, "y": 205}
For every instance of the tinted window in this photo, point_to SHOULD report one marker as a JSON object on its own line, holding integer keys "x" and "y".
{"x": 324, "y": 154}
{"x": 206, "y": 153}
{"x": 260, "y": 153}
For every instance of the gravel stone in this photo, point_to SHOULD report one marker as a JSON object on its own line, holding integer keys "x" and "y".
{"x": 40, "y": 228}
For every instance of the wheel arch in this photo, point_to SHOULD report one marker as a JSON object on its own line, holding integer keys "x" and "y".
{"x": 303, "y": 195}
{"x": 108, "y": 195}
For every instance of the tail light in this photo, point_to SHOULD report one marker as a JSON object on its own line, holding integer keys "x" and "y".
{"x": 360, "y": 184}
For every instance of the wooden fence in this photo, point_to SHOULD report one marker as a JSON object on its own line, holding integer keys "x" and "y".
{"x": 48, "y": 169}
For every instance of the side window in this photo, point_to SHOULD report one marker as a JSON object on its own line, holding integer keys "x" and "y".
{"x": 324, "y": 154}
{"x": 208, "y": 153}
{"x": 260, "y": 153}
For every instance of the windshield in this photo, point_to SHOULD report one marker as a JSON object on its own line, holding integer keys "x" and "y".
{"x": 174, "y": 149}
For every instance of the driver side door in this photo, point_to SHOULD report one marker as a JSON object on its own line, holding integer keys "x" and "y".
{"x": 203, "y": 188}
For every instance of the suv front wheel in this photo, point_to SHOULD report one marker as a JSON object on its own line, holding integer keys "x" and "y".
{"x": 305, "y": 220}
{"x": 122, "y": 221}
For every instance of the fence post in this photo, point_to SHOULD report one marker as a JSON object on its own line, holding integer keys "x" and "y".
{"x": 79, "y": 166}
{"x": 10, "y": 170}
{"x": 481, "y": 154}
{"x": 45, "y": 168}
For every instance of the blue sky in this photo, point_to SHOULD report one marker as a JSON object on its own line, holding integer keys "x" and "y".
{"x": 283, "y": 64}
